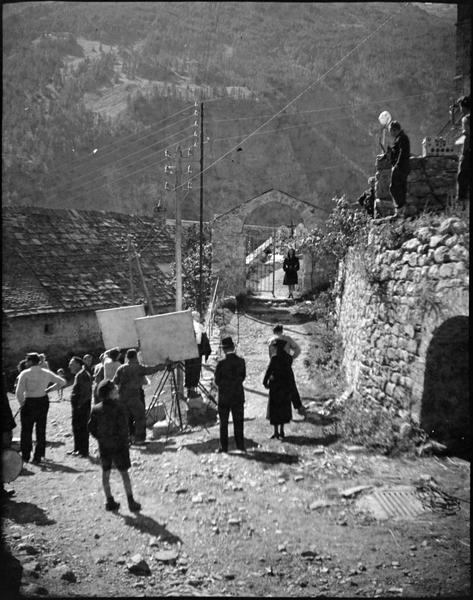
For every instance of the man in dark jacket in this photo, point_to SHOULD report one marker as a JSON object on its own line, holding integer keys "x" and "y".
{"x": 81, "y": 397}
{"x": 229, "y": 376}
{"x": 463, "y": 174}
{"x": 8, "y": 424}
{"x": 129, "y": 379}
{"x": 108, "y": 423}
{"x": 400, "y": 153}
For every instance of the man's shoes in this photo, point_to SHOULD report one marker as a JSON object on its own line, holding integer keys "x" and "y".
{"x": 6, "y": 494}
{"x": 282, "y": 435}
{"x": 133, "y": 505}
{"x": 25, "y": 458}
{"x": 112, "y": 505}
{"x": 221, "y": 451}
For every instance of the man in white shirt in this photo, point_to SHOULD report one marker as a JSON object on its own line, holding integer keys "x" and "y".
{"x": 292, "y": 348}
{"x": 31, "y": 393}
{"x": 111, "y": 363}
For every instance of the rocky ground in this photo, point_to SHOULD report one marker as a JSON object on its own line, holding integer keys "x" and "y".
{"x": 287, "y": 518}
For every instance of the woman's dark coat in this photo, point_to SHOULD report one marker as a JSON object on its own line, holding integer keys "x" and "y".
{"x": 279, "y": 378}
{"x": 290, "y": 267}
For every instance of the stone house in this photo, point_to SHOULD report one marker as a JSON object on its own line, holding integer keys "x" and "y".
{"x": 60, "y": 266}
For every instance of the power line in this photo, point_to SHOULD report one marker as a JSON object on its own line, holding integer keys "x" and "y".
{"x": 306, "y": 89}
{"x": 75, "y": 181}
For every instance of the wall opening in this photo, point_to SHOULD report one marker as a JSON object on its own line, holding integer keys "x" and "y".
{"x": 445, "y": 411}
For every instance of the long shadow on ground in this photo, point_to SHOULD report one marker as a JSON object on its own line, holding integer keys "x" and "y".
{"x": 213, "y": 444}
{"x": 270, "y": 457}
{"x": 303, "y": 440}
{"x": 26, "y": 512}
{"x": 55, "y": 467}
{"x": 148, "y": 525}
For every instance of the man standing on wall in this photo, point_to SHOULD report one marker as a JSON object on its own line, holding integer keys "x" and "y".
{"x": 81, "y": 397}
{"x": 463, "y": 174}
{"x": 400, "y": 153}
{"x": 34, "y": 404}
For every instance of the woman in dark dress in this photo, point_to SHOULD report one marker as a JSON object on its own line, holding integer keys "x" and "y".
{"x": 290, "y": 267}
{"x": 279, "y": 379}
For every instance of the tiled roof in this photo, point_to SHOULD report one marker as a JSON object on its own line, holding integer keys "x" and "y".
{"x": 70, "y": 260}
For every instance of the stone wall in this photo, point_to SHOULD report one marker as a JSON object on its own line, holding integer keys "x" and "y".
{"x": 402, "y": 315}
{"x": 431, "y": 182}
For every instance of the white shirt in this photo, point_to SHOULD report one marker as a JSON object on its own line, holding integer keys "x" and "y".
{"x": 199, "y": 329}
{"x": 110, "y": 368}
{"x": 290, "y": 345}
{"x": 32, "y": 383}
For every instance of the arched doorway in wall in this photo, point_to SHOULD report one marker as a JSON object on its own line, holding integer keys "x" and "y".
{"x": 445, "y": 411}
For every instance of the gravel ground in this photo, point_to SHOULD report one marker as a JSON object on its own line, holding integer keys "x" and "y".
{"x": 272, "y": 522}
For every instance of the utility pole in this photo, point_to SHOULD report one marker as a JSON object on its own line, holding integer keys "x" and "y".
{"x": 130, "y": 268}
{"x": 178, "y": 241}
{"x": 201, "y": 222}
{"x": 143, "y": 282}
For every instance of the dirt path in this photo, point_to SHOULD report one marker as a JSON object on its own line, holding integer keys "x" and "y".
{"x": 271, "y": 522}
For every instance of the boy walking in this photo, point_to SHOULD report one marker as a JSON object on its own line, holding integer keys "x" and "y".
{"x": 108, "y": 423}
{"x": 229, "y": 376}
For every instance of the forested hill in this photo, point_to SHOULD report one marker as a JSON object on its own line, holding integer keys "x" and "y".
{"x": 94, "y": 92}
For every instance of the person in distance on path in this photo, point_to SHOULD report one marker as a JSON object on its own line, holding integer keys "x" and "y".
{"x": 229, "y": 376}
{"x": 108, "y": 423}
{"x": 81, "y": 398}
{"x": 290, "y": 267}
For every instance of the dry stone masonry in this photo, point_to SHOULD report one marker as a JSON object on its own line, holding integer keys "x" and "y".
{"x": 403, "y": 318}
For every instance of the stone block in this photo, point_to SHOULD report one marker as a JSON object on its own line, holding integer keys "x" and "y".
{"x": 446, "y": 270}
{"x": 458, "y": 252}
{"x": 409, "y": 330}
{"x": 421, "y": 260}
{"x": 411, "y": 245}
{"x": 437, "y": 240}
{"x": 413, "y": 259}
{"x": 449, "y": 225}
{"x": 404, "y": 272}
{"x": 424, "y": 234}
{"x": 389, "y": 389}
{"x": 434, "y": 272}
{"x": 441, "y": 255}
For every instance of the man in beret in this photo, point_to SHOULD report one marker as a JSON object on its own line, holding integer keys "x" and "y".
{"x": 229, "y": 376}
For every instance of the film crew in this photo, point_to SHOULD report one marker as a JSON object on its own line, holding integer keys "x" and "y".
{"x": 108, "y": 423}
{"x": 229, "y": 376}
{"x": 111, "y": 363}
{"x": 129, "y": 379}
{"x": 8, "y": 424}
{"x": 279, "y": 379}
{"x": 31, "y": 393}
{"x": 400, "y": 167}
{"x": 293, "y": 350}
{"x": 463, "y": 173}
{"x": 193, "y": 365}
{"x": 290, "y": 267}
{"x": 81, "y": 397}
{"x": 367, "y": 198}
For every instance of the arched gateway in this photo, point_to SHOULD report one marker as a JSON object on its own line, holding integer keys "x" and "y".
{"x": 228, "y": 239}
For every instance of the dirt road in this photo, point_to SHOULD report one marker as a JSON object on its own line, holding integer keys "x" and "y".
{"x": 281, "y": 520}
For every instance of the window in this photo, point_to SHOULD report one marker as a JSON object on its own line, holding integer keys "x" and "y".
{"x": 48, "y": 328}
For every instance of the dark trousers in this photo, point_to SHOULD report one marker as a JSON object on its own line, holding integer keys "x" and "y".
{"x": 34, "y": 412}
{"x": 237, "y": 411}
{"x": 463, "y": 178}
{"x": 80, "y": 418}
{"x": 398, "y": 187}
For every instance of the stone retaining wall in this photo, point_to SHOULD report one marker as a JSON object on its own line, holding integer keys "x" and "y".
{"x": 403, "y": 301}
{"x": 430, "y": 185}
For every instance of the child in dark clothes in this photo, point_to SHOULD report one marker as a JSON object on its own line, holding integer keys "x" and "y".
{"x": 108, "y": 423}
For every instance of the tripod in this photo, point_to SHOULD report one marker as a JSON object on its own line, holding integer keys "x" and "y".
{"x": 175, "y": 409}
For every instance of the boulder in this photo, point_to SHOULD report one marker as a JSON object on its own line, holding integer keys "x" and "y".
{"x": 138, "y": 566}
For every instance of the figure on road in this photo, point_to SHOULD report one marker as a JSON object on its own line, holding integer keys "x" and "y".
{"x": 290, "y": 267}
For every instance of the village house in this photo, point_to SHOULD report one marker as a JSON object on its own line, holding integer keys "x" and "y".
{"x": 60, "y": 266}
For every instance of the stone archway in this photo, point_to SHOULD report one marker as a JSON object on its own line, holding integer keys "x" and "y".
{"x": 228, "y": 240}
{"x": 445, "y": 408}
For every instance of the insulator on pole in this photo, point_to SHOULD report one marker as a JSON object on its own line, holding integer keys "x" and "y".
{"x": 189, "y": 152}
{"x": 168, "y": 169}
{"x": 167, "y": 187}
{"x": 167, "y": 154}
{"x": 195, "y": 134}
{"x": 196, "y": 113}
{"x": 189, "y": 169}
{"x": 189, "y": 185}
{"x": 196, "y": 124}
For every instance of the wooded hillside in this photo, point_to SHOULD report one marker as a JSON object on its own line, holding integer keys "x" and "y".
{"x": 94, "y": 93}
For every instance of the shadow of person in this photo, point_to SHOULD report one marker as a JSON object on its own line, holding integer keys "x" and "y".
{"x": 148, "y": 525}
{"x": 26, "y": 512}
{"x": 57, "y": 467}
{"x": 54, "y": 444}
{"x": 213, "y": 444}
{"x": 269, "y": 457}
{"x": 303, "y": 440}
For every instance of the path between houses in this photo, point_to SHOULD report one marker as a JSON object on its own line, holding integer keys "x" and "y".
{"x": 282, "y": 520}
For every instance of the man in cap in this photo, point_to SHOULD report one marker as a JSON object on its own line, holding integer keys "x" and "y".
{"x": 229, "y": 376}
{"x": 81, "y": 397}
{"x": 400, "y": 154}
{"x": 31, "y": 393}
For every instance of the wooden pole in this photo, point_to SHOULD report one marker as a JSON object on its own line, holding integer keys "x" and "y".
{"x": 143, "y": 283}
{"x": 178, "y": 250}
{"x": 201, "y": 214}
{"x": 130, "y": 268}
